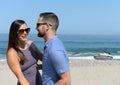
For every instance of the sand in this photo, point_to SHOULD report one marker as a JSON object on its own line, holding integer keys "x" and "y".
{"x": 83, "y": 72}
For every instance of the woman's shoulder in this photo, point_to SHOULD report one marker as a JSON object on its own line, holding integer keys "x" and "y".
{"x": 11, "y": 53}
{"x": 29, "y": 42}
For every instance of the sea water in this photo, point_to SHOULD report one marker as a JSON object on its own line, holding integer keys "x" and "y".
{"x": 77, "y": 46}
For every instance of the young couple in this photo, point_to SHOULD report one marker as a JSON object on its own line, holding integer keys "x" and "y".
{"x": 22, "y": 54}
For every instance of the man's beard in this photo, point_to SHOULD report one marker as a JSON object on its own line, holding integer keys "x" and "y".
{"x": 40, "y": 35}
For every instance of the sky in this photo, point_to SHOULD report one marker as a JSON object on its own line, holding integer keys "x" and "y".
{"x": 75, "y": 16}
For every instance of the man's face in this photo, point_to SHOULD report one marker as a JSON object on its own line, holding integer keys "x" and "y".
{"x": 41, "y": 27}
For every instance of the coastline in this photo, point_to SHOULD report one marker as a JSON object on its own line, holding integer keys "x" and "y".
{"x": 83, "y": 72}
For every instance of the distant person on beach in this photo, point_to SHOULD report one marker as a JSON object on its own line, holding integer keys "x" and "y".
{"x": 55, "y": 62}
{"x": 22, "y": 55}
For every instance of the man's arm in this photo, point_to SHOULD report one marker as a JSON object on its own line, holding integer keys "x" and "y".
{"x": 61, "y": 65}
{"x": 64, "y": 79}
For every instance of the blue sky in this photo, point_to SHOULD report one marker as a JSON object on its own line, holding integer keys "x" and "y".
{"x": 76, "y": 16}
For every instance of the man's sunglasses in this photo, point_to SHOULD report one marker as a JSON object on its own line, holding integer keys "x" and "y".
{"x": 39, "y": 24}
{"x": 27, "y": 30}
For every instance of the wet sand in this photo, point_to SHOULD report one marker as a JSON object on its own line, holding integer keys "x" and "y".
{"x": 83, "y": 72}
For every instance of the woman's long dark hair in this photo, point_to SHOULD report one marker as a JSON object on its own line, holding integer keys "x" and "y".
{"x": 13, "y": 38}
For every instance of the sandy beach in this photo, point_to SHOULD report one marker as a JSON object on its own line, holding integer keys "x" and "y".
{"x": 83, "y": 72}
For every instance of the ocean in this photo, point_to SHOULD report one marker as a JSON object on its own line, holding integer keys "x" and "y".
{"x": 77, "y": 46}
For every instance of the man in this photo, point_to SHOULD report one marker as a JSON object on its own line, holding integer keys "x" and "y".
{"x": 56, "y": 68}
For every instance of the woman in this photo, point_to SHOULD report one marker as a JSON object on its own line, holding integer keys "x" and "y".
{"x": 22, "y": 55}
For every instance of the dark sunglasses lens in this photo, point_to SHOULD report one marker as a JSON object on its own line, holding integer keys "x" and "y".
{"x": 26, "y": 30}
{"x": 38, "y": 25}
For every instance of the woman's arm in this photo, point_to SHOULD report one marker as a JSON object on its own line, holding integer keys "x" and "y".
{"x": 38, "y": 52}
{"x": 13, "y": 63}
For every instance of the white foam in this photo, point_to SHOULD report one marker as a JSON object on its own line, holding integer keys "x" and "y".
{"x": 92, "y": 57}
{"x": 88, "y": 57}
{"x": 2, "y": 60}
{"x": 116, "y": 57}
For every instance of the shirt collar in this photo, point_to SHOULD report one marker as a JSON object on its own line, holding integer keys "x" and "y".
{"x": 47, "y": 42}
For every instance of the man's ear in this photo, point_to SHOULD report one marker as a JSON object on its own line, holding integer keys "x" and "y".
{"x": 48, "y": 26}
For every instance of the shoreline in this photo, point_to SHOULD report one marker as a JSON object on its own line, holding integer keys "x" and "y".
{"x": 83, "y": 72}
{"x": 115, "y": 57}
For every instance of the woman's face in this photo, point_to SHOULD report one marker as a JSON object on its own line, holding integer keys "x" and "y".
{"x": 23, "y": 33}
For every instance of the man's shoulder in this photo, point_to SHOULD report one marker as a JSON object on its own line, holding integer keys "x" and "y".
{"x": 56, "y": 46}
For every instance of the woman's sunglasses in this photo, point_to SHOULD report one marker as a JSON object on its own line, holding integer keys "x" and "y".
{"x": 27, "y": 30}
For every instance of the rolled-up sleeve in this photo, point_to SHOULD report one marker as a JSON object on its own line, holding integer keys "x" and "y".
{"x": 59, "y": 60}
